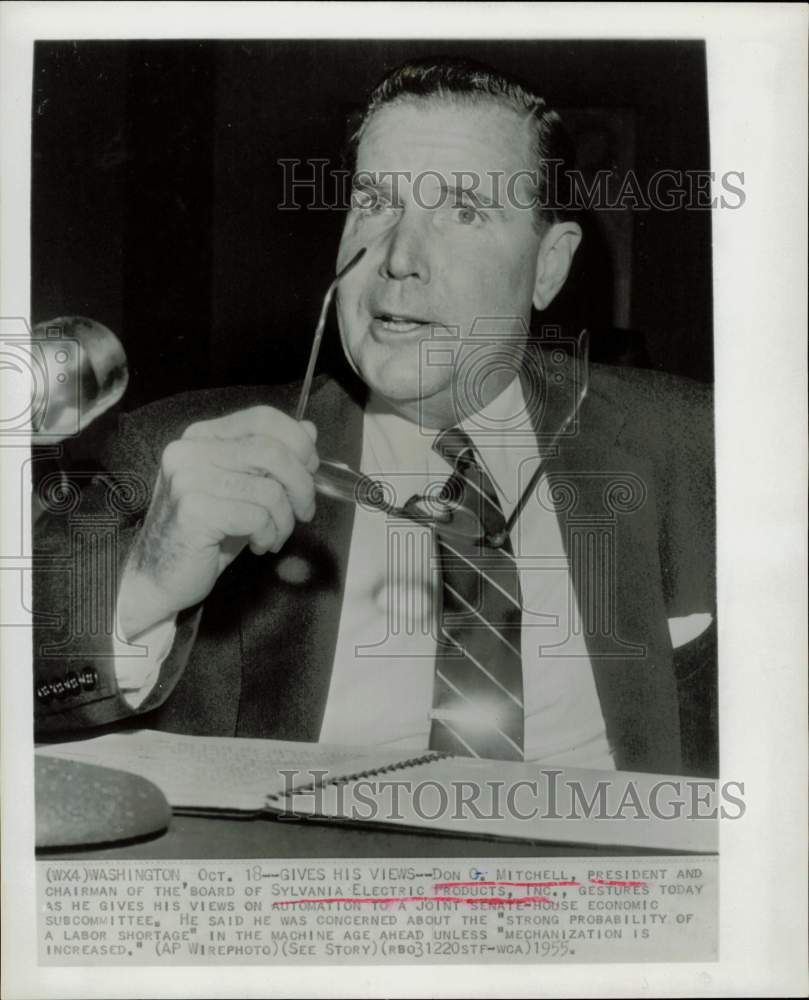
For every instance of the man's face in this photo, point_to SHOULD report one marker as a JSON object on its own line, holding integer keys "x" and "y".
{"x": 438, "y": 257}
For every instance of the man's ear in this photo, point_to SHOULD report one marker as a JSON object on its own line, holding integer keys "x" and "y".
{"x": 554, "y": 259}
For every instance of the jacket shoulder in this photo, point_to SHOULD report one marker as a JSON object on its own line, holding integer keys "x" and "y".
{"x": 176, "y": 413}
{"x": 641, "y": 388}
{"x": 659, "y": 410}
{"x": 153, "y": 426}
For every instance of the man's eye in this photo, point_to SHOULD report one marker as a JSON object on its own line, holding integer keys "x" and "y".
{"x": 467, "y": 215}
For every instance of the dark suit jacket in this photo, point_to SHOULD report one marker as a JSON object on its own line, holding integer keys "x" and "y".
{"x": 256, "y": 660}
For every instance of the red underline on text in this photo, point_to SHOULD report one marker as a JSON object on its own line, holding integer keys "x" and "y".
{"x": 525, "y": 885}
{"x": 606, "y": 881}
{"x": 535, "y": 885}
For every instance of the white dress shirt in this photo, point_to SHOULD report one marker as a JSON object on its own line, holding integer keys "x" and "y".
{"x": 381, "y": 686}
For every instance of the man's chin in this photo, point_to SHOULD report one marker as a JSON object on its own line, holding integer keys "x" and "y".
{"x": 397, "y": 385}
{"x": 395, "y": 378}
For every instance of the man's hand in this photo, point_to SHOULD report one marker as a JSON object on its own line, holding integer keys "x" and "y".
{"x": 238, "y": 480}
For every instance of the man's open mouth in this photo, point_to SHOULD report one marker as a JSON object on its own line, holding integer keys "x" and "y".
{"x": 396, "y": 323}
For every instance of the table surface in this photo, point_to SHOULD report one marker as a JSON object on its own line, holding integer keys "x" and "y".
{"x": 191, "y": 837}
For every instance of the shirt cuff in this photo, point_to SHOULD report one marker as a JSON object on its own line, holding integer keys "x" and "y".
{"x": 137, "y": 675}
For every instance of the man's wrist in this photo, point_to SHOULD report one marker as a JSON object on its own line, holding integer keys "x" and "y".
{"x": 141, "y": 605}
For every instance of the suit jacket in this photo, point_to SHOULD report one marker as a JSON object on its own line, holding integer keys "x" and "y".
{"x": 634, "y": 485}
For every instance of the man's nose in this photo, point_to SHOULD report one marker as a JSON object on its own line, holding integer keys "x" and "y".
{"x": 406, "y": 252}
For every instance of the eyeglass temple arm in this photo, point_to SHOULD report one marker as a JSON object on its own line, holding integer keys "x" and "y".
{"x": 303, "y": 399}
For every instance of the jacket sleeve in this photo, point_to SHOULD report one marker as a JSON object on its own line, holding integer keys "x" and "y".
{"x": 80, "y": 545}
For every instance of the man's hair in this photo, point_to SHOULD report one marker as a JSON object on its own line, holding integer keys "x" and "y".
{"x": 453, "y": 79}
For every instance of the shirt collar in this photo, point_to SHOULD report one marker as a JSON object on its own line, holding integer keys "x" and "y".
{"x": 495, "y": 425}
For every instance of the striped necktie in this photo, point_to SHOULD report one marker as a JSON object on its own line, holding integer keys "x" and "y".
{"x": 478, "y": 690}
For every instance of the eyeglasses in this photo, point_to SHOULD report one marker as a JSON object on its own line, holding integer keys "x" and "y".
{"x": 340, "y": 482}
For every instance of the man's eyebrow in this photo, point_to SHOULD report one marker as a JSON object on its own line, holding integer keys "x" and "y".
{"x": 371, "y": 182}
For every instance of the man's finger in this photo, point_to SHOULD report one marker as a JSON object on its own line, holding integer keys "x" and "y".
{"x": 257, "y": 421}
{"x": 217, "y": 519}
{"x": 225, "y": 484}
{"x": 250, "y": 456}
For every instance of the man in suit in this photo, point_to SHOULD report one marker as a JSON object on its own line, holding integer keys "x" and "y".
{"x": 265, "y": 609}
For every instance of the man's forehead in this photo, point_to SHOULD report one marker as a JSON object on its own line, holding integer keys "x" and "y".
{"x": 446, "y": 135}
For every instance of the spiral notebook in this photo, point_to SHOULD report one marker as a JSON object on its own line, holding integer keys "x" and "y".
{"x": 429, "y": 791}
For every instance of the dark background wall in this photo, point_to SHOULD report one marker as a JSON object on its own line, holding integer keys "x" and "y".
{"x": 156, "y": 184}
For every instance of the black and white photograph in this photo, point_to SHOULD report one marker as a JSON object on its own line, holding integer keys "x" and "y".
{"x": 375, "y": 531}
